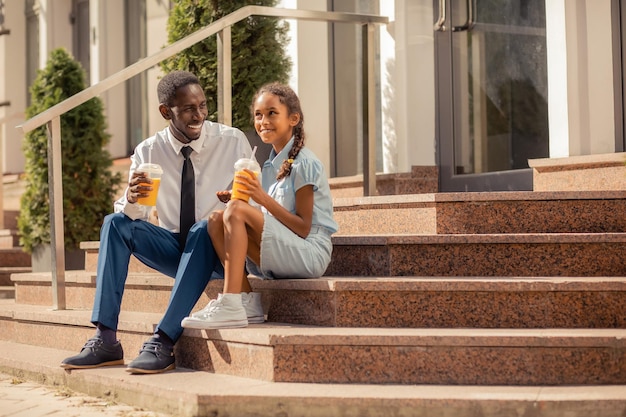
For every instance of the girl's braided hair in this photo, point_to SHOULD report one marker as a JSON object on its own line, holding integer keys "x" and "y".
{"x": 289, "y": 98}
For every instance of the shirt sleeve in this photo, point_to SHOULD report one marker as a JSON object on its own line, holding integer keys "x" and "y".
{"x": 307, "y": 172}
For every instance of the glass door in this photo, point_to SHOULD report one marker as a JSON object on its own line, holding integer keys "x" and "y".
{"x": 492, "y": 102}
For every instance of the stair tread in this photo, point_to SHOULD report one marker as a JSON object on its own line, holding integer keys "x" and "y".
{"x": 409, "y": 238}
{"x": 461, "y": 283}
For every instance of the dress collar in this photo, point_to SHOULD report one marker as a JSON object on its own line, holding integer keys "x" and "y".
{"x": 277, "y": 159}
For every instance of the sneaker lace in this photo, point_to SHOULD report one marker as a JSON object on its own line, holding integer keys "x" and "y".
{"x": 210, "y": 306}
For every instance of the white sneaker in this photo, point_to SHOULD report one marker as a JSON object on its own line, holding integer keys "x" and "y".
{"x": 254, "y": 309}
{"x": 251, "y": 303}
{"x": 226, "y": 312}
{"x": 206, "y": 309}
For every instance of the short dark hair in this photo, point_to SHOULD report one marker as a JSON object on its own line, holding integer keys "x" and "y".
{"x": 171, "y": 82}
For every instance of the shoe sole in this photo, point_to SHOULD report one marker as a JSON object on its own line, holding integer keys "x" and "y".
{"x": 256, "y": 320}
{"x": 150, "y": 371}
{"x": 110, "y": 363}
{"x": 203, "y": 325}
{"x": 251, "y": 320}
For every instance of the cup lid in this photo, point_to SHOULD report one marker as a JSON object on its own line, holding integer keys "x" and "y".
{"x": 150, "y": 168}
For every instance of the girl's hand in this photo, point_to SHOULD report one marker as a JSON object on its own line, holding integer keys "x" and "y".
{"x": 223, "y": 196}
{"x": 252, "y": 185}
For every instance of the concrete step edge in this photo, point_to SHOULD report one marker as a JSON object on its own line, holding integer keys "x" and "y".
{"x": 383, "y": 284}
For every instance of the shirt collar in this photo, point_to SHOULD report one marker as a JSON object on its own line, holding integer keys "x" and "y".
{"x": 196, "y": 145}
{"x": 277, "y": 160}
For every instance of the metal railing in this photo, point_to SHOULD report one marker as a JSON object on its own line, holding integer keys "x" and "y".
{"x": 222, "y": 28}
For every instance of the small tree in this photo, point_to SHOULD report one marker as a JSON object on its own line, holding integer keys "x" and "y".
{"x": 258, "y": 51}
{"x": 89, "y": 186}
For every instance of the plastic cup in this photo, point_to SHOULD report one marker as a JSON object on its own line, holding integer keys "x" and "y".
{"x": 240, "y": 165}
{"x": 154, "y": 172}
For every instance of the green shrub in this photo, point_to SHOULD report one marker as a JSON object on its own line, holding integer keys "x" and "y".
{"x": 89, "y": 186}
{"x": 258, "y": 51}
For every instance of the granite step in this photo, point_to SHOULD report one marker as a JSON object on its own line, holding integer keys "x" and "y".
{"x": 187, "y": 393}
{"x": 379, "y": 302}
{"x": 483, "y": 213}
{"x": 512, "y": 254}
{"x": 14, "y": 257}
{"x": 7, "y": 271}
{"x": 528, "y": 254}
{"x": 311, "y": 354}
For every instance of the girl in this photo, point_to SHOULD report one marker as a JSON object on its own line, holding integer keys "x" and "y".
{"x": 290, "y": 237}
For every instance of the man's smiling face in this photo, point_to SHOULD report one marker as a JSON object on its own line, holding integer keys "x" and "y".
{"x": 188, "y": 113}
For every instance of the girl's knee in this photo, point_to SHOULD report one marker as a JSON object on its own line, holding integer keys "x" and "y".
{"x": 216, "y": 221}
{"x": 236, "y": 208}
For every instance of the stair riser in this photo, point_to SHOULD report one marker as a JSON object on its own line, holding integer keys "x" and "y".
{"x": 542, "y": 216}
{"x": 14, "y": 257}
{"x": 412, "y": 303}
{"x": 479, "y": 259}
{"x": 480, "y": 216}
{"x": 449, "y": 309}
{"x": 65, "y": 337}
{"x": 148, "y": 299}
{"x": 454, "y": 364}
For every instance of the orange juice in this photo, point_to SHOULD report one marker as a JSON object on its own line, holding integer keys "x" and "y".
{"x": 250, "y": 164}
{"x": 154, "y": 172}
{"x": 236, "y": 193}
{"x": 152, "y": 197}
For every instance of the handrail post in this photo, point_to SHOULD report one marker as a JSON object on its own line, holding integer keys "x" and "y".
{"x": 55, "y": 190}
{"x": 224, "y": 77}
{"x": 369, "y": 111}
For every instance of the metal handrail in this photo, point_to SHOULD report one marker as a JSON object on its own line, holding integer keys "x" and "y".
{"x": 51, "y": 117}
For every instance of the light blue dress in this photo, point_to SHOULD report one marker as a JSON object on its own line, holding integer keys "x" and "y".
{"x": 284, "y": 254}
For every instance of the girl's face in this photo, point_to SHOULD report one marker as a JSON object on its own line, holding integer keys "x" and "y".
{"x": 272, "y": 121}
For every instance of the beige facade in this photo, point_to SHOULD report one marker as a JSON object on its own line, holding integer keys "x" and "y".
{"x": 580, "y": 74}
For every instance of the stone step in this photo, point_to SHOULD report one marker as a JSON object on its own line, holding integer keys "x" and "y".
{"x": 311, "y": 354}
{"x": 469, "y": 302}
{"x": 7, "y": 239}
{"x": 483, "y": 213}
{"x": 14, "y": 257}
{"x": 529, "y": 254}
{"x": 7, "y": 271}
{"x": 520, "y": 254}
{"x": 188, "y": 393}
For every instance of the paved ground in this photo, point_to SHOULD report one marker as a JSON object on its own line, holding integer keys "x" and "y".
{"x": 20, "y": 398}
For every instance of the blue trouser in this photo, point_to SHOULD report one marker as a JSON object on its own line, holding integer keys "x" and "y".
{"x": 158, "y": 248}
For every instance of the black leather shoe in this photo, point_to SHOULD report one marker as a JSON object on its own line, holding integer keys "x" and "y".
{"x": 154, "y": 357}
{"x": 94, "y": 354}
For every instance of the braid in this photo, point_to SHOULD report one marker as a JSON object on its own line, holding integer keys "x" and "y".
{"x": 298, "y": 143}
{"x": 289, "y": 98}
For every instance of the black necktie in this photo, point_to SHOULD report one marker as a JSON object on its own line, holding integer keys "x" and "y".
{"x": 187, "y": 197}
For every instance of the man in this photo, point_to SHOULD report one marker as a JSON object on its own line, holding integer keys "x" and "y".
{"x": 184, "y": 252}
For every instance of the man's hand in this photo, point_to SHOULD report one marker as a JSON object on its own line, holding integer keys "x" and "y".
{"x": 223, "y": 196}
{"x": 138, "y": 187}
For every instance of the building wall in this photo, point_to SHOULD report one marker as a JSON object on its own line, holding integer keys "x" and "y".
{"x": 580, "y": 64}
{"x": 12, "y": 87}
{"x": 108, "y": 56}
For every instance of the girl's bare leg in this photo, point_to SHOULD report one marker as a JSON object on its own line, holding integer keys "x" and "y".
{"x": 241, "y": 223}
{"x": 215, "y": 228}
